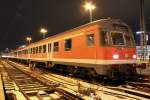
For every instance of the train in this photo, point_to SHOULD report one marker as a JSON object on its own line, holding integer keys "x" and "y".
{"x": 103, "y": 48}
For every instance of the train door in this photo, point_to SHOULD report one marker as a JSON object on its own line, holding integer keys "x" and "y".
{"x": 92, "y": 45}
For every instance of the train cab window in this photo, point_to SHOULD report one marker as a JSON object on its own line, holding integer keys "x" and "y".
{"x": 68, "y": 44}
{"x": 44, "y": 48}
{"x": 104, "y": 38}
{"x": 40, "y": 49}
{"x": 49, "y": 47}
{"x": 56, "y": 46}
{"x": 121, "y": 27}
{"x": 117, "y": 39}
{"x": 129, "y": 41}
{"x": 90, "y": 40}
{"x": 36, "y": 49}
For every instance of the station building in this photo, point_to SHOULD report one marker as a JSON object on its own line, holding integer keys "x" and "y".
{"x": 139, "y": 52}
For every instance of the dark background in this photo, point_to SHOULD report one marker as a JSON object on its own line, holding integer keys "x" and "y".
{"x": 22, "y": 18}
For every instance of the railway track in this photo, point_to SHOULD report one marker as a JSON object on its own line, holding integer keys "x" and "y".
{"x": 134, "y": 88}
{"x": 121, "y": 92}
{"x": 31, "y": 87}
{"x": 144, "y": 87}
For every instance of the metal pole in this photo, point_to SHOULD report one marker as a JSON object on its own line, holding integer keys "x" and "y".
{"x": 43, "y": 35}
{"x": 29, "y": 41}
{"x": 90, "y": 10}
{"x": 143, "y": 34}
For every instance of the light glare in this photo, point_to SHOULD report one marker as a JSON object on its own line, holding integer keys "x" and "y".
{"x": 43, "y": 30}
{"x": 134, "y": 56}
{"x": 115, "y": 56}
{"x": 29, "y": 38}
{"x": 89, "y": 6}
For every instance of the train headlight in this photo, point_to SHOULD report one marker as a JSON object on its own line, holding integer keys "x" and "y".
{"x": 134, "y": 56}
{"x": 115, "y": 56}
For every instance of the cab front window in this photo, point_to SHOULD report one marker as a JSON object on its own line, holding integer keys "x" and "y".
{"x": 129, "y": 41}
{"x": 117, "y": 39}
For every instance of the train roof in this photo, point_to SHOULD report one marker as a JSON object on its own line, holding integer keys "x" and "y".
{"x": 85, "y": 25}
{"x": 101, "y": 21}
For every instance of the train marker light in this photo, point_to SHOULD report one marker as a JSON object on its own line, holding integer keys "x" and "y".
{"x": 134, "y": 56}
{"x": 115, "y": 56}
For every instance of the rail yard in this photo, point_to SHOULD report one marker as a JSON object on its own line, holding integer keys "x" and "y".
{"x": 107, "y": 58}
{"x": 22, "y": 83}
{"x": 101, "y": 66}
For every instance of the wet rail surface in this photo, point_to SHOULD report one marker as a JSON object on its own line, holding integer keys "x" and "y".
{"x": 32, "y": 88}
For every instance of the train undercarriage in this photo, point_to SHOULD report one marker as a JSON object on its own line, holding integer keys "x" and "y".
{"x": 116, "y": 73}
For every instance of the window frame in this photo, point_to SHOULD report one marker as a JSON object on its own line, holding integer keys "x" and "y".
{"x": 36, "y": 50}
{"x": 132, "y": 44}
{"x": 111, "y": 39}
{"x": 87, "y": 42}
{"x": 44, "y": 48}
{"x": 49, "y": 47}
{"x": 33, "y": 50}
{"x": 103, "y": 38}
{"x": 56, "y": 48}
{"x": 40, "y": 49}
{"x": 65, "y": 45}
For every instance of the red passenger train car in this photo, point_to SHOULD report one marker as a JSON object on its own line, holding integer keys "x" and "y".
{"x": 106, "y": 46}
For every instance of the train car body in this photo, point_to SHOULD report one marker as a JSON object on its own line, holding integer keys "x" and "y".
{"x": 105, "y": 45}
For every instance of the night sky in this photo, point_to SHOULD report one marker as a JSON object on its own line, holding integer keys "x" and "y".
{"x": 22, "y": 18}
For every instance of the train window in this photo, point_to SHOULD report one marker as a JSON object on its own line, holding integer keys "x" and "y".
{"x": 56, "y": 46}
{"x": 104, "y": 38}
{"x": 29, "y": 52}
{"x": 129, "y": 41}
{"x": 40, "y": 49}
{"x": 120, "y": 27}
{"x": 117, "y": 38}
{"x": 33, "y": 50}
{"x": 36, "y": 49}
{"x": 68, "y": 44}
{"x": 90, "y": 40}
{"x": 25, "y": 51}
{"x": 49, "y": 47}
{"x": 44, "y": 48}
